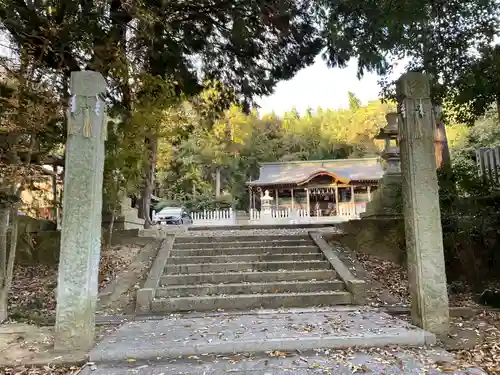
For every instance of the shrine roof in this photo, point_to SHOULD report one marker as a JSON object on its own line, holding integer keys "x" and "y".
{"x": 301, "y": 172}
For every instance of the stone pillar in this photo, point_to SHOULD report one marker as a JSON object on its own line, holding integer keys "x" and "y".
{"x": 77, "y": 284}
{"x": 424, "y": 238}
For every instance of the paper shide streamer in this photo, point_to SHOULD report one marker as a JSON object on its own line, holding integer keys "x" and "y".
{"x": 85, "y": 111}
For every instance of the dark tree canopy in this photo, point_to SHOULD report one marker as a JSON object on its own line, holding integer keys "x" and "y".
{"x": 246, "y": 45}
{"x": 478, "y": 87}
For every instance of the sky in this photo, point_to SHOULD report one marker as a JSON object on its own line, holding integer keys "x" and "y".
{"x": 321, "y": 86}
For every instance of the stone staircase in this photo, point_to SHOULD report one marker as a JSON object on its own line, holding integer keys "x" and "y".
{"x": 246, "y": 272}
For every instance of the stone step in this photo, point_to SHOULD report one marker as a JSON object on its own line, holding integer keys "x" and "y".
{"x": 244, "y": 251}
{"x": 172, "y": 269}
{"x": 245, "y": 258}
{"x": 237, "y": 244}
{"x": 250, "y": 301}
{"x": 291, "y": 330}
{"x": 248, "y": 277}
{"x": 249, "y": 288}
{"x": 258, "y": 238}
{"x": 427, "y": 361}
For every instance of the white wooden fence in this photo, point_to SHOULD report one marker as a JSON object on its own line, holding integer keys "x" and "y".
{"x": 346, "y": 211}
{"x": 214, "y": 217}
{"x": 488, "y": 164}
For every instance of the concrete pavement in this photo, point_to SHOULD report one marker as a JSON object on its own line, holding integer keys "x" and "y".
{"x": 371, "y": 361}
{"x": 267, "y": 330}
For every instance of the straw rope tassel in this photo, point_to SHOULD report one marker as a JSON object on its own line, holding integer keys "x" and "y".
{"x": 419, "y": 116}
{"x": 105, "y": 127}
{"x": 87, "y": 131}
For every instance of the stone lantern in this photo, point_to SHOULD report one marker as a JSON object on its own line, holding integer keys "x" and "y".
{"x": 266, "y": 211}
{"x": 391, "y": 150}
{"x": 387, "y": 198}
{"x": 266, "y": 200}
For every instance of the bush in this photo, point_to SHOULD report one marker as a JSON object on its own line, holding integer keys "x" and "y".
{"x": 199, "y": 203}
{"x": 470, "y": 223}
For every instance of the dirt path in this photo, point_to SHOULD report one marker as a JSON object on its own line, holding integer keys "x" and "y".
{"x": 472, "y": 339}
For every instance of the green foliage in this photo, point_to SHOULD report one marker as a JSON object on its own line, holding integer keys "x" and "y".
{"x": 30, "y": 124}
{"x": 464, "y": 141}
{"x": 125, "y": 149}
{"x": 440, "y": 38}
{"x": 470, "y": 224}
{"x": 479, "y": 86}
{"x": 354, "y": 102}
{"x": 236, "y": 144}
{"x": 198, "y": 203}
{"x": 203, "y": 202}
{"x": 247, "y": 46}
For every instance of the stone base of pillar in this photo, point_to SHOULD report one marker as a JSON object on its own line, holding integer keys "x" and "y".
{"x": 387, "y": 199}
{"x": 266, "y": 217}
{"x": 127, "y": 217}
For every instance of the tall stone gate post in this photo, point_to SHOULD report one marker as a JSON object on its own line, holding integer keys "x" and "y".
{"x": 424, "y": 238}
{"x": 77, "y": 285}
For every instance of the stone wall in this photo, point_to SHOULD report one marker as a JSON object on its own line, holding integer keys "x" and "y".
{"x": 381, "y": 237}
{"x": 126, "y": 218}
{"x": 39, "y": 243}
{"x": 38, "y": 248}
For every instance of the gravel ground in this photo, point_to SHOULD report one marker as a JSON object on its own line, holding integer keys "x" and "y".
{"x": 261, "y": 232}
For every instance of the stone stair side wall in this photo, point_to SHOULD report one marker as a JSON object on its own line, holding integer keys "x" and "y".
{"x": 356, "y": 287}
{"x": 146, "y": 294}
{"x": 377, "y": 236}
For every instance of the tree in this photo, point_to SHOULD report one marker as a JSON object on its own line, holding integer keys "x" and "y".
{"x": 354, "y": 102}
{"x": 478, "y": 87}
{"x": 324, "y": 134}
{"x": 30, "y": 120}
{"x": 439, "y": 38}
{"x": 247, "y": 46}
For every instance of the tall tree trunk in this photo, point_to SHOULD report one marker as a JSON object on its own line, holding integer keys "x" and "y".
{"x": 54, "y": 192}
{"x": 147, "y": 193}
{"x": 217, "y": 182}
{"x": 443, "y": 162}
{"x": 4, "y": 227}
{"x": 111, "y": 225}
{"x": 8, "y": 256}
{"x": 498, "y": 107}
{"x": 441, "y": 149}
